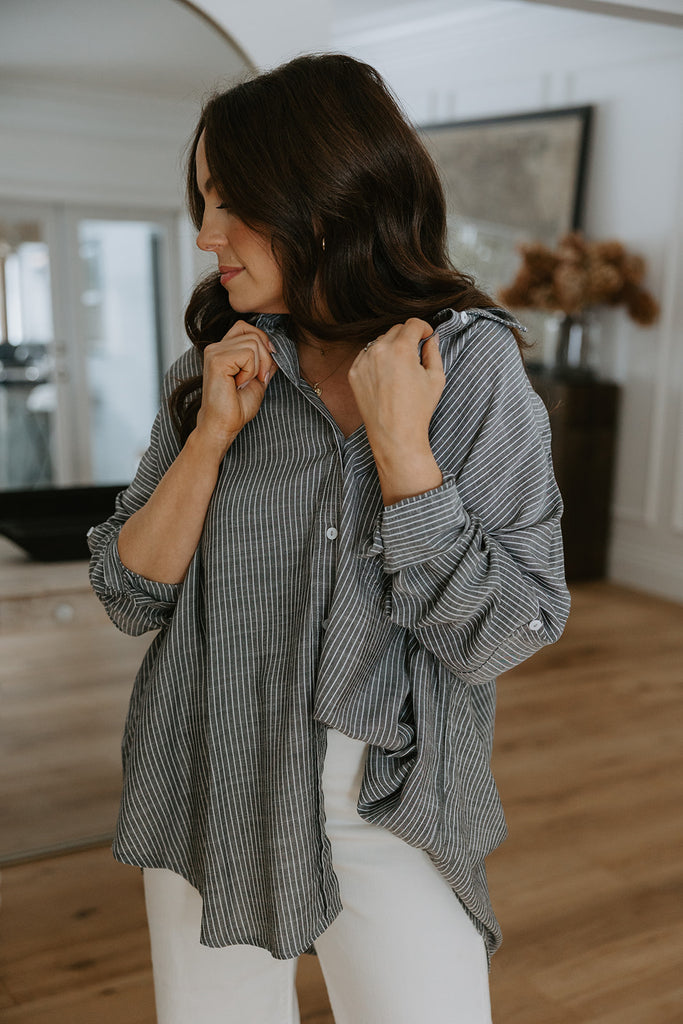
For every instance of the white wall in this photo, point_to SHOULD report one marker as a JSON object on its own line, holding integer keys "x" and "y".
{"x": 512, "y": 58}
{"x": 96, "y": 105}
{"x": 63, "y": 143}
{"x": 503, "y": 57}
{"x": 272, "y": 31}
{"x": 66, "y": 137}
{"x": 97, "y": 151}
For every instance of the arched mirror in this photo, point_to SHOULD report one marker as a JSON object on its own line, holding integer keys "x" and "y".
{"x": 96, "y": 255}
{"x": 97, "y": 260}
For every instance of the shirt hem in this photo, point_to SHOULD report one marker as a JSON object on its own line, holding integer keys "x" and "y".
{"x": 277, "y": 951}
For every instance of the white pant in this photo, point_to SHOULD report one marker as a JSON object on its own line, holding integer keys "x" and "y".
{"x": 402, "y": 951}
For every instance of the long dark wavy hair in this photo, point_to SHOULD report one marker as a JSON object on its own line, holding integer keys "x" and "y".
{"x": 318, "y": 149}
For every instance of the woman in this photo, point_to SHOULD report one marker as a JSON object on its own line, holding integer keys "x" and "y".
{"x": 345, "y": 527}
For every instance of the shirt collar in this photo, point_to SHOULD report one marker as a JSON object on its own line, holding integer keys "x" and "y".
{"x": 449, "y": 322}
{"x": 275, "y": 326}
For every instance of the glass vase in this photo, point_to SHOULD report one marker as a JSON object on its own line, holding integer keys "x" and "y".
{"x": 576, "y": 353}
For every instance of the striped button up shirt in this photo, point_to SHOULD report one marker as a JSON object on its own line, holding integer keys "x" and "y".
{"x": 308, "y": 605}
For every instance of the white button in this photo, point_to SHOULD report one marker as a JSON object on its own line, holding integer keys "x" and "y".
{"x": 535, "y": 624}
{"x": 330, "y": 533}
{"x": 90, "y": 531}
{"x": 325, "y": 623}
{"x": 465, "y": 318}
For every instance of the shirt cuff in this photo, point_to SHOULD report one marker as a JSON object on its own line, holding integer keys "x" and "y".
{"x": 118, "y": 578}
{"x": 419, "y": 528}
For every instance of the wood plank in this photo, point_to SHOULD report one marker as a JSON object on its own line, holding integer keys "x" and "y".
{"x": 64, "y": 700}
{"x": 587, "y": 887}
{"x": 75, "y": 949}
{"x": 71, "y": 922}
{"x": 128, "y": 999}
{"x": 623, "y": 969}
{"x": 22, "y": 577}
{"x": 314, "y": 1006}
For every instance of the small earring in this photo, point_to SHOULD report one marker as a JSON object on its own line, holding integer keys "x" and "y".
{"x": 323, "y": 243}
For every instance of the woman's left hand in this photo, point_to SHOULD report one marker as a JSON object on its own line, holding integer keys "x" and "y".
{"x": 396, "y": 393}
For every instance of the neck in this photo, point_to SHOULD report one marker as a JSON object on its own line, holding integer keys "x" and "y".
{"x": 321, "y": 362}
{"x": 308, "y": 341}
{"x": 307, "y": 344}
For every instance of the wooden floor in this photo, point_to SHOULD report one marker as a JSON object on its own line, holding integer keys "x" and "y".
{"x": 64, "y": 699}
{"x": 588, "y": 887}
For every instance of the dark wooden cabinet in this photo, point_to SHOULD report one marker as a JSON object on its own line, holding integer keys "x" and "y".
{"x": 583, "y": 417}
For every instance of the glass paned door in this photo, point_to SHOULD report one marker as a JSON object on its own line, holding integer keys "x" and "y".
{"x": 28, "y": 385}
{"x": 121, "y": 329}
{"x": 85, "y": 330}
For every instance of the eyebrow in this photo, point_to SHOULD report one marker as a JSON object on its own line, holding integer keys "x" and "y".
{"x": 208, "y": 185}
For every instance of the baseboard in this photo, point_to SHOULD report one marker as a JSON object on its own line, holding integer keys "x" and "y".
{"x": 643, "y": 567}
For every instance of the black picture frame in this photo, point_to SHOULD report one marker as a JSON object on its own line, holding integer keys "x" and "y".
{"x": 507, "y": 180}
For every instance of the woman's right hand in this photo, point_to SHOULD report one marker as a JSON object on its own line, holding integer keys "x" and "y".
{"x": 237, "y": 371}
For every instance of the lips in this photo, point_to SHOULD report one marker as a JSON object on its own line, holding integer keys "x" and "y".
{"x": 227, "y": 273}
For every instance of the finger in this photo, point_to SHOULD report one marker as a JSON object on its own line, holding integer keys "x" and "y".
{"x": 262, "y": 345}
{"x": 262, "y": 370}
{"x": 414, "y": 330}
{"x": 234, "y": 345}
{"x": 241, "y": 327}
{"x": 239, "y": 363}
{"x": 431, "y": 355}
{"x": 381, "y": 343}
{"x": 256, "y": 380}
{"x": 408, "y": 335}
{"x": 415, "y": 323}
{"x": 266, "y": 366}
{"x": 249, "y": 368}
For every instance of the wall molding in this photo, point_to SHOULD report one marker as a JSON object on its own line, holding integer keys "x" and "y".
{"x": 384, "y": 26}
{"x": 628, "y": 514}
{"x": 642, "y": 566}
{"x": 67, "y": 144}
{"x": 536, "y": 55}
{"x": 26, "y": 107}
{"x": 669, "y": 335}
{"x": 677, "y": 505}
{"x": 656, "y": 14}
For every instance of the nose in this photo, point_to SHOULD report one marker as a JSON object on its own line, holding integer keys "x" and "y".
{"x": 209, "y": 238}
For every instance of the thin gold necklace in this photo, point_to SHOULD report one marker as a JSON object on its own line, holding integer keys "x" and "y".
{"x": 310, "y": 344}
{"x": 318, "y": 384}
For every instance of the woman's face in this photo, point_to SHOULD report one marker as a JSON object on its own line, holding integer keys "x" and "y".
{"x": 248, "y": 269}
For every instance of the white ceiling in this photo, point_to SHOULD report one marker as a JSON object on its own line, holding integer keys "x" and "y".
{"x": 161, "y": 47}
{"x": 125, "y": 45}
{"x": 345, "y": 9}
{"x": 352, "y": 16}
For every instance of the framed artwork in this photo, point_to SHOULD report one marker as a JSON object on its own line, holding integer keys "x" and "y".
{"x": 508, "y": 180}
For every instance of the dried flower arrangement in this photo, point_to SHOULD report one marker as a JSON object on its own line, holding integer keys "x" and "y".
{"x": 579, "y": 274}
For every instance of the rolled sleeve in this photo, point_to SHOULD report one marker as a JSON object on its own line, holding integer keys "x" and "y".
{"x": 419, "y": 528}
{"x": 476, "y": 564}
{"x": 136, "y": 604}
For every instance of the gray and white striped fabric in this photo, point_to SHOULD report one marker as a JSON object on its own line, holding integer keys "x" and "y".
{"x": 307, "y": 605}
